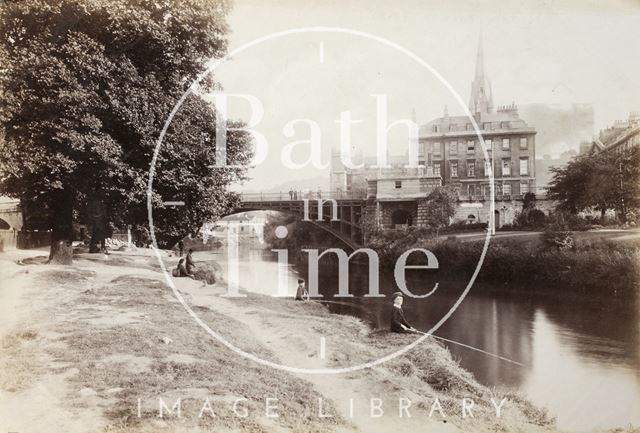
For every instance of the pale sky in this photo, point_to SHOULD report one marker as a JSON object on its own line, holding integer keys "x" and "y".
{"x": 571, "y": 52}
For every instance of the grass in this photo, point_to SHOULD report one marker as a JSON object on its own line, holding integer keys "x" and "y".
{"x": 217, "y": 371}
{"x": 424, "y": 373}
{"x": 17, "y": 363}
{"x": 600, "y": 266}
{"x": 146, "y": 346}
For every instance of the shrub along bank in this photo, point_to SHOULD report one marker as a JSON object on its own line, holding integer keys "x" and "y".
{"x": 558, "y": 262}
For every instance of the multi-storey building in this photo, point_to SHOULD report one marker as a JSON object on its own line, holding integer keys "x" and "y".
{"x": 451, "y": 153}
{"x": 622, "y": 136}
{"x": 450, "y": 147}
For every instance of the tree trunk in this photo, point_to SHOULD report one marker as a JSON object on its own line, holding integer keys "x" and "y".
{"x": 61, "y": 207}
{"x": 97, "y": 216}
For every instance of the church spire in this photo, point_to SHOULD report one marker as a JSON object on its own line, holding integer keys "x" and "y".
{"x": 481, "y": 100}
{"x": 480, "y": 59}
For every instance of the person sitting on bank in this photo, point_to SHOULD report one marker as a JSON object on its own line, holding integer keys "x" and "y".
{"x": 398, "y": 322}
{"x": 301, "y": 291}
{"x": 181, "y": 270}
{"x": 189, "y": 263}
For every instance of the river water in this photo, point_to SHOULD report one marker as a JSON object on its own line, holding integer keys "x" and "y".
{"x": 580, "y": 355}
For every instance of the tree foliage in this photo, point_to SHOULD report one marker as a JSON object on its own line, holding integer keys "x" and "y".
{"x": 441, "y": 206}
{"x": 608, "y": 180}
{"x": 87, "y": 87}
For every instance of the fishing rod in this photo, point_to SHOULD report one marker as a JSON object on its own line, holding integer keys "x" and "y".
{"x": 471, "y": 347}
{"x": 466, "y": 346}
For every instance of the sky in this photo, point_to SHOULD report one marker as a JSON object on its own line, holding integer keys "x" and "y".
{"x": 563, "y": 54}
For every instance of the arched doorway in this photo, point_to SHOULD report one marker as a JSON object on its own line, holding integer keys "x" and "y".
{"x": 4, "y": 225}
{"x": 401, "y": 218}
{"x": 496, "y": 219}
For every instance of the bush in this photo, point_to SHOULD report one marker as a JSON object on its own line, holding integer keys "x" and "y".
{"x": 530, "y": 218}
{"x": 536, "y": 218}
{"x": 462, "y": 226}
{"x": 557, "y": 237}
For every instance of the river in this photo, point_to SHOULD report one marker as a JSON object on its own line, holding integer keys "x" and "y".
{"x": 580, "y": 355}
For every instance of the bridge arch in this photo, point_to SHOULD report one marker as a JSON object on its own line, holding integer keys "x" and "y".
{"x": 346, "y": 240}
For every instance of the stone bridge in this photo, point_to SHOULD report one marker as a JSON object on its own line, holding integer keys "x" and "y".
{"x": 337, "y": 212}
{"x": 10, "y": 215}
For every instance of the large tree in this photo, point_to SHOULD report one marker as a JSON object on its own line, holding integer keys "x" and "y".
{"x": 440, "y": 207}
{"x": 609, "y": 180}
{"x": 87, "y": 86}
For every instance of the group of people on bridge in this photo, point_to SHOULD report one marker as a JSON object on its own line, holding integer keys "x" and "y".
{"x": 298, "y": 195}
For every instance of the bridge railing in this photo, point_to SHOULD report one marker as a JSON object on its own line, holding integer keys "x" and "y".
{"x": 301, "y": 195}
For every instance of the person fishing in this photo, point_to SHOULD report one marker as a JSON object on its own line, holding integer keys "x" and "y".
{"x": 301, "y": 292}
{"x": 398, "y": 322}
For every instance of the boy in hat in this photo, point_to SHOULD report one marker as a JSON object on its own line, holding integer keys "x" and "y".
{"x": 398, "y": 322}
{"x": 301, "y": 291}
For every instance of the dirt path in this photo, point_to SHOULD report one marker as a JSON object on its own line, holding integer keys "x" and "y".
{"x": 32, "y": 398}
{"x": 350, "y": 393}
{"x": 82, "y": 344}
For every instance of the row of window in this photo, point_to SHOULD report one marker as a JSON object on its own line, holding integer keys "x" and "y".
{"x": 476, "y": 190}
{"x": 505, "y": 168}
{"x": 455, "y": 147}
{"x": 487, "y": 126}
{"x": 505, "y": 188}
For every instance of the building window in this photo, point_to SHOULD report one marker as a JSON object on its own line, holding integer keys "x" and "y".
{"x": 471, "y": 146}
{"x": 506, "y": 189}
{"x": 487, "y": 144}
{"x": 488, "y": 164}
{"x": 486, "y": 126}
{"x": 506, "y": 167}
{"x": 469, "y": 127}
{"x": 523, "y": 143}
{"x": 436, "y": 169}
{"x": 436, "y": 148}
{"x": 504, "y": 125}
{"x": 524, "y": 166}
{"x": 524, "y": 188}
{"x": 454, "y": 168}
{"x": 505, "y": 144}
{"x": 453, "y": 148}
{"x": 398, "y": 184}
{"x": 436, "y": 128}
{"x": 471, "y": 169}
{"x": 452, "y": 127}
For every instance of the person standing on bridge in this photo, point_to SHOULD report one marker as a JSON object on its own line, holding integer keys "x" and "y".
{"x": 291, "y": 194}
{"x": 398, "y": 322}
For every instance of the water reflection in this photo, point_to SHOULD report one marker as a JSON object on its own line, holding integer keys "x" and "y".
{"x": 581, "y": 354}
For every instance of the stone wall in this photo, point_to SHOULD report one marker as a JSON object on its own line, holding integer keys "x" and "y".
{"x": 388, "y": 208}
{"x": 507, "y": 210}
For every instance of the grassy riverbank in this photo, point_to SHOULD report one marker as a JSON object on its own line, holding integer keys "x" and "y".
{"x": 588, "y": 266}
{"x": 82, "y": 344}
